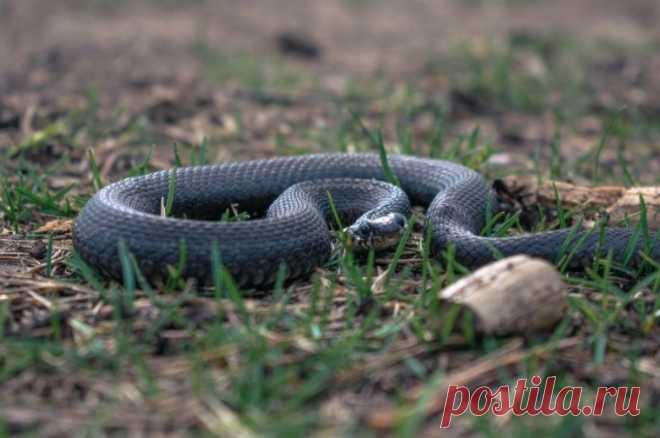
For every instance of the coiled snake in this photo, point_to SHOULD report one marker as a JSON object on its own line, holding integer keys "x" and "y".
{"x": 295, "y": 232}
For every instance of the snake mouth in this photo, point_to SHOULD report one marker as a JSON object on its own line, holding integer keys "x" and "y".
{"x": 379, "y": 233}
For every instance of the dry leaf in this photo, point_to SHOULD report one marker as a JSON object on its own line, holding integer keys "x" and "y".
{"x": 628, "y": 206}
{"x": 619, "y": 202}
{"x": 56, "y": 226}
{"x": 531, "y": 191}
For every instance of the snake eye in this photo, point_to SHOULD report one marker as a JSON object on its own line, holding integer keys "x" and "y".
{"x": 363, "y": 229}
{"x": 399, "y": 219}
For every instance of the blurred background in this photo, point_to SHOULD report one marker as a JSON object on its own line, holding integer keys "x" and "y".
{"x": 537, "y": 85}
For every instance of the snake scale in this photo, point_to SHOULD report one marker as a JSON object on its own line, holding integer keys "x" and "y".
{"x": 293, "y": 191}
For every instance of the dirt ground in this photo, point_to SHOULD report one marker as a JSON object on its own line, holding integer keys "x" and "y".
{"x": 564, "y": 88}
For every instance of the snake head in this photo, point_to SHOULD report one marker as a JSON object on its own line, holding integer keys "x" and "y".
{"x": 378, "y": 233}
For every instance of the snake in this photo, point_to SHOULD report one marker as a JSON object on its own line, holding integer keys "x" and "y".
{"x": 295, "y": 202}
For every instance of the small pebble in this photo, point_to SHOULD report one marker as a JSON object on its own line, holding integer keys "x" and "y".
{"x": 38, "y": 250}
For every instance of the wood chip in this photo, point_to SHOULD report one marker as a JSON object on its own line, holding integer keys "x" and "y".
{"x": 516, "y": 295}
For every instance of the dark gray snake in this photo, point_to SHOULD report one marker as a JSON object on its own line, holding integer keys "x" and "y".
{"x": 295, "y": 230}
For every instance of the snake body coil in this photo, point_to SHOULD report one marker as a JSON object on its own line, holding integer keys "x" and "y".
{"x": 295, "y": 230}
